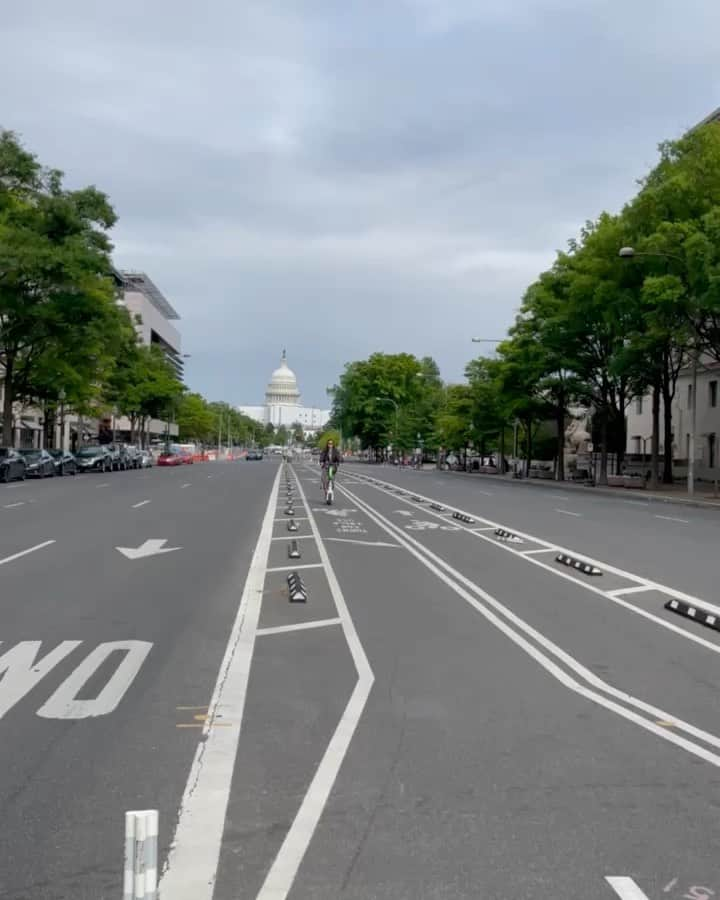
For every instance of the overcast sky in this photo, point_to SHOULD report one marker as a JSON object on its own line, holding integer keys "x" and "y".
{"x": 345, "y": 176}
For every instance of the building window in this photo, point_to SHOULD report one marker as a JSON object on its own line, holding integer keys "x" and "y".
{"x": 711, "y": 450}
{"x": 689, "y": 396}
{"x": 638, "y": 405}
{"x": 637, "y": 442}
{"x": 713, "y": 393}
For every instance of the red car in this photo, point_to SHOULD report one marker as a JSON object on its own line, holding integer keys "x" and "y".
{"x": 170, "y": 459}
{"x": 187, "y": 458}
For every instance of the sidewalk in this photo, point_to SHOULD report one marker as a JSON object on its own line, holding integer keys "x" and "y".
{"x": 677, "y": 494}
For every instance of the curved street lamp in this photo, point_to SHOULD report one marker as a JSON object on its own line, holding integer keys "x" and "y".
{"x": 397, "y": 412}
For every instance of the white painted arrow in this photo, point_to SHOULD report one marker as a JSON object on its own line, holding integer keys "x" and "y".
{"x": 149, "y": 548}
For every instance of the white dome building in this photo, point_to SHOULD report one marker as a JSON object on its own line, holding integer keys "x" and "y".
{"x": 282, "y": 403}
{"x": 282, "y": 389}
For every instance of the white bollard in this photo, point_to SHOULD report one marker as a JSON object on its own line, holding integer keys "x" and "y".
{"x": 141, "y": 855}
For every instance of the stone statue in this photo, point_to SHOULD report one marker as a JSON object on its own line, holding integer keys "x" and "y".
{"x": 577, "y": 435}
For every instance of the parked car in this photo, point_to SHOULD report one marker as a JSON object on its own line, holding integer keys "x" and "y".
{"x": 186, "y": 457}
{"x": 12, "y": 465}
{"x": 119, "y": 456}
{"x": 134, "y": 456}
{"x": 94, "y": 459}
{"x": 146, "y": 459}
{"x": 38, "y": 463}
{"x": 169, "y": 459}
{"x": 65, "y": 462}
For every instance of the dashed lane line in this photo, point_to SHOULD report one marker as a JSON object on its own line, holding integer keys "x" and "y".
{"x": 567, "y": 512}
{"x": 626, "y": 888}
{"x": 635, "y": 589}
{"x": 13, "y": 505}
{"x": 674, "y": 519}
{"x": 294, "y": 568}
{"x": 299, "y": 626}
{"x": 141, "y": 503}
{"x": 15, "y": 556}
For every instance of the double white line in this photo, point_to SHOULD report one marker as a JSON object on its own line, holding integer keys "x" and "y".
{"x": 546, "y": 653}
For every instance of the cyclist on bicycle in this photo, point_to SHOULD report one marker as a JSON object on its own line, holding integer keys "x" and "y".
{"x": 328, "y": 457}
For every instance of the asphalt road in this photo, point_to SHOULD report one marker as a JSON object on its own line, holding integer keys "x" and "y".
{"x": 446, "y": 714}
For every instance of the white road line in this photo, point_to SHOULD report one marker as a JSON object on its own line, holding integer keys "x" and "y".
{"x": 279, "y": 879}
{"x": 294, "y": 568}
{"x": 626, "y": 888}
{"x": 294, "y": 537}
{"x": 566, "y": 512}
{"x": 185, "y": 485}
{"x": 637, "y": 589}
{"x": 637, "y": 502}
{"x": 25, "y": 552}
{"x": 462, "y": 585}
{"x": 104, "y": 484}
{"x": 487, "y": 493}
{"x": 292, "y": 518}
{"x": 13, "y": 505}
{"x": 534, "y": 552}
{"x": 301, "y": 626}
{"x": 191, "y": 867}
{"x": 489, "y": 527}
{"x": 614, "y": 570}
{"x": 364, "y": 543}
{"x": 674, "y": 519}
{"x": 141, "y": 503}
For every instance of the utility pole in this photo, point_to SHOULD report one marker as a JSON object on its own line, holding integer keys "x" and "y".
{"x": 693, "y": 427}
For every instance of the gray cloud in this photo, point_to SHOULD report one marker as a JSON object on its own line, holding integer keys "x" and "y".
{"x": 345, "y": 177}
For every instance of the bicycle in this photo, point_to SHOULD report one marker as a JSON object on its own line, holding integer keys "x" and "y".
{"x": 329, "y": 484}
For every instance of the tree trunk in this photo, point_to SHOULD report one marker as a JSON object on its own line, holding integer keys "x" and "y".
{"x": 667, "y": 433}
{"x": 133, "y": 423}
{"x": 49, "y": 422}
{"x": 501, "y": 451}
{"x": 603, "y": 479}
{"x": 655, "y": 457}
{"x": 560, "y": 420}
{"x": 622, "y": 394}
{"x": 528, "y": 447}
{"x": 8, "y": 431}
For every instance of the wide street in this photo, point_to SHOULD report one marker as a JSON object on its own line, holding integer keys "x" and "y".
{"x": 441, "y": 713}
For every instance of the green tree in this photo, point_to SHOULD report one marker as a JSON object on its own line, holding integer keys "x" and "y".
{"x": 387, "y": 398}
{"x": 56, "y": 290}
{"x": 196, "y": 420}
{"x": 329, "y": 435}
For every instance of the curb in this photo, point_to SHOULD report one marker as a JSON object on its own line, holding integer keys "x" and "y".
{"x": 589, "y": 491}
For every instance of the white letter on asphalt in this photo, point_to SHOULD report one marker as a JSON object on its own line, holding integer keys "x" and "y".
{"x": 20, "y": 672}
{"x": 63, "y": 703}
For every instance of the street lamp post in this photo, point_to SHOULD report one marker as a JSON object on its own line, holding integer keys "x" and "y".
{"x": 61, "y": 398}
{"x": 397, "y": 414}
{"x": 632, "y": 253}
{"x": 501, "y": 448}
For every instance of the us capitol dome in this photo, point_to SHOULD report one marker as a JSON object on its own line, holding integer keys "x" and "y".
{"x": 283, "y": 388}
{"x": 282, "y": 403}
